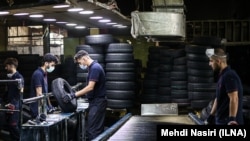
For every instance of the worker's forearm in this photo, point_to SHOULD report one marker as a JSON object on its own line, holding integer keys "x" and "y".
{"x": 84, "y": 91}
{"x": 233, "y": 107}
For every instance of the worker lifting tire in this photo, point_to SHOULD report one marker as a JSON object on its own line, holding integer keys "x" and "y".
{"x": 60, "y": 88}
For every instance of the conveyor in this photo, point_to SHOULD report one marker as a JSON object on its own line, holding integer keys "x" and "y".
{"x": 143, "y": 128}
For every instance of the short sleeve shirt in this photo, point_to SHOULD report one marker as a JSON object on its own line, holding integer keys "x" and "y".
{"x": 228, "y": 82}
{"x": 38, "y": 79}
{"x": 97, "y": 74}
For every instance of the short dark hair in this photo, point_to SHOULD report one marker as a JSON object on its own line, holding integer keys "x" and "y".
{"x": 80, "y": 54}
{"x": 11, "y": 61}
{"x": 49, "y": 57}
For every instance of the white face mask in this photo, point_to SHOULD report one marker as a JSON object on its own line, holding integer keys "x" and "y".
{"x": 84, "y": 67}
{"x": 9, "y": 75}
{"x": 50, "y": 69}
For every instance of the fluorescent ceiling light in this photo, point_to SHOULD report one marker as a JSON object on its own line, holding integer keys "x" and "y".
{"x": 4, "y": 12}
{"x": 116, "y": 25}
{"x": 104, "y": 21}
{"x": 86, "y": 12}
{"x": 21, "y": 14}
{"x": 71, "y": 24}
{"x": 80, "y": 27}
{"x": 123, "y": 26}
{"x": 75, "y": 9}
{"x": 96, "y": 17}
{"x": 61, "y": 6}
{"x": 36, "y": 16}
{"x": 61, "y": 22}
{"x": 111, "y": 23}
{"x": 49, "y": 20}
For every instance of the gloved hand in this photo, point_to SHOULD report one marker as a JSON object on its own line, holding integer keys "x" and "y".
{"x": 232, "y": 121}
{"x": 67, "y": 98}
{"x": 210, "y": 120}
{"x": 11, "y": 107}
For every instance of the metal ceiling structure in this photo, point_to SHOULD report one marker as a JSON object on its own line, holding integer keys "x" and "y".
{"x": 105, "y": 10}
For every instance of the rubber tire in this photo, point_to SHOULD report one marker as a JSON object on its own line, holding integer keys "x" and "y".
{"x": 101, "y": 39}
{"x": 60, "y": 88}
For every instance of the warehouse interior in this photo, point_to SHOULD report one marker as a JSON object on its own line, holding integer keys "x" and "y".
{"x": 161, "y": 64}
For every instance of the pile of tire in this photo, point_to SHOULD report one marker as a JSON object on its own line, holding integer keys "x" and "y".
{"x": 179, "y": 91}
{"x": 164, "y": 72}
{"x": 150, "y": 80}
{"x": 246, "y": 104}
{"x": 201, "y": 85}
{"x": 120, "y": 76}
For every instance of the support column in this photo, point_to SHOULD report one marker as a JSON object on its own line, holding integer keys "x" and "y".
{"x": 4, "y": 38}
{"x": 46, "y": 38}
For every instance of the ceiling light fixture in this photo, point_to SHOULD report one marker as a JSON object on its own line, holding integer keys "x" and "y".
{"x": 86, "y": 12}
{"x": 21, "y": 14}
{"x": 104, "y": 21}
{"x": 49, "y": 20}
{"x": 123, "y": 26}
{"x": 96, "y": 17}
{"x": 36, "y": 16}
{"x": 111, "y": 23}
{"x": 61, "y": 6}
{"x": 4, "y": 12}
{"x": 80, "y": 27}
{"x": 61, "y": 22}
{"x": 71, "y": 24}
{"x": 75, "y": 9}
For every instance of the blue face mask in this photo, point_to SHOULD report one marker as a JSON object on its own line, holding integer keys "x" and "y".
{"x": 50, "y": 69}
{"x": 84, "y": 67}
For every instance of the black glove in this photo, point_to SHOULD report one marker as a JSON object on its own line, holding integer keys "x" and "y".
{"x": 67, "y": 98}
{"x": 210, "y": 120}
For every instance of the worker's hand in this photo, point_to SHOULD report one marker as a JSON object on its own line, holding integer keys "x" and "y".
{"x": 210, "y": 120}
{"x": 11, "y": 107}
{"x": 232, "y": 121}
{"x": 67, "y": 98}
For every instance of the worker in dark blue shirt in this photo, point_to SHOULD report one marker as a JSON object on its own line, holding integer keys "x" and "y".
{"x": 39, "y": 82}
{"x": 96, "y": 93}
{"x": 228, "y": 105}
{"x": 14, "y": 90}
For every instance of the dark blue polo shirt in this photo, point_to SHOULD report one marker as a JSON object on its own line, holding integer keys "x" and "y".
{"x": 228, "y": 82}
{"x": 96, "y": 73}
{"x": 38, "y": 79}
{"x": 13, "y": 88}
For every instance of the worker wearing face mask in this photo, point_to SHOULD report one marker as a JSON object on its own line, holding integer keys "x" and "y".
{"x": 14, "y": 90}
{"x": 95, "y": 92}
{"x": 39, "y": 83}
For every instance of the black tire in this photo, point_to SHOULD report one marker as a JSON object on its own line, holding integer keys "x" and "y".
{"x": 196, "y": 49}
{"x": 91, "y": 49}
{"x": 119, "y": 57}
{"x": 119, "y": 48}
{"x": 194, "y": 79}
{"x": 120, "y": 85}
{"x": 101, "y": 39}
{"x": 120, "y": 95}
{"x": 200, "y": 73}
{"x": 98, "y": 57}
{"x": 197, "y": 57}
{"x": 120, "y": 67}
{"x": 198, "y": 65}
{"x": 60, "y": 88}
{"x": 180, "y": 61}
{"x": 119, "y": 104}
{"x": 120, "y": 76}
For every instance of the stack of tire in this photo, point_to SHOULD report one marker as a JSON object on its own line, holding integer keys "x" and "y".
{"x": 179, "y": 91}
{"x": 201, "y": 85}
{"x": 120, "y": 76}
{"x": 164, "y": 71}
{"x": 246, "y": 104}
{"x": 95, "y": 45}
{"x": 150, "y": 80}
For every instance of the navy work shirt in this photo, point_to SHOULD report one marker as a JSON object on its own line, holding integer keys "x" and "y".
{"x": 38, "y": 79}
{"x": 14, "y": 88}
{"x": 96, "y": 73}
{"x": 228, "y": 82}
